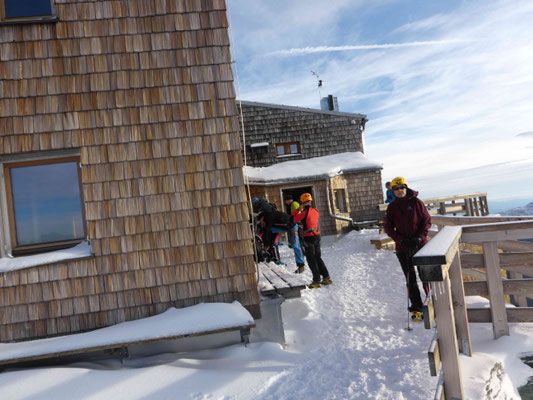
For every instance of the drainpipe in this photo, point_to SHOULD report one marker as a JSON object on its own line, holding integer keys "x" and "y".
{"x": 353, "y": 224}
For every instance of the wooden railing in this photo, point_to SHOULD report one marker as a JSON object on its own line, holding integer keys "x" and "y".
{"x": 440, "y": 263}
{"x": 473, "y": 204}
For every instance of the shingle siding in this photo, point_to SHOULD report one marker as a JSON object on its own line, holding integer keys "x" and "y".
{"x": 319, "y": 133}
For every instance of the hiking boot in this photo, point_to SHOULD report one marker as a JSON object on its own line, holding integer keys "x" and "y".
{"x": 299, "y": 270}
{"x": 314, "y": 285}
{"x": 326, "y": 281}
{"x": 417, "y": 316}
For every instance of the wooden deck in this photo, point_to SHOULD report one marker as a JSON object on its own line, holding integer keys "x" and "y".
{"x": 275, "y": 280}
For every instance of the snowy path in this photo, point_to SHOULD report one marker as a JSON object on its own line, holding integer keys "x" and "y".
{"x": 345, "y": 341}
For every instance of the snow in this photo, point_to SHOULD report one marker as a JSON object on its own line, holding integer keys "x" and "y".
{"x": 79, "y": 251}
{"x": 172, "y": 322}
{"x": 312, "y": 168}
{"x": 440, "y": 247}
{"x": 344, "y": 341}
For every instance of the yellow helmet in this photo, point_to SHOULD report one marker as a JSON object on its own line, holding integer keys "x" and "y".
{"x": 305, "y": 197}
{"x": 398, "y": 182}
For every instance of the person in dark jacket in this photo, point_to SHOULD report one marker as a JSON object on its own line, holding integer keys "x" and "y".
{"x": 274, "y": 223}
{"x": 308, "y": 217}
{"x": 407, "y": 223}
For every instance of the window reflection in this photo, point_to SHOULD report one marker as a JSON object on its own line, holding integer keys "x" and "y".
{"x": 27, "y": 8}
{"x": 46, "y": 202}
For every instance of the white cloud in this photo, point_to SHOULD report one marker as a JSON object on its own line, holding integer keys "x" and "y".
{"x": 455, "y": 101}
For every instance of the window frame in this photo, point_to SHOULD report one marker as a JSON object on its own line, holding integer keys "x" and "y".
{"x": 4, "y": 19}
{"x": 10, "y": 245}
{"x": 340, "y": 200}
{"x": 287, "y": 146}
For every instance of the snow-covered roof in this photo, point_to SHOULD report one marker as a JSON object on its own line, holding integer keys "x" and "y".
{"x": 311, "y": 169}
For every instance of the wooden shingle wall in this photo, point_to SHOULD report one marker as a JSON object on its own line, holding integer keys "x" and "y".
{"x": 144, "y": 88}
{"x": 319, "y": 133}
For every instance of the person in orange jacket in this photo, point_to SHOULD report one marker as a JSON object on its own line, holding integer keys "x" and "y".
{"x": 308, "y": 217}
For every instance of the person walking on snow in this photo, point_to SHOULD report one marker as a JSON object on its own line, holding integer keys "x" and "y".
{"x": 308, "y": 216}
{"x": 407, "y": 222}
{"x": 293, "y": 234}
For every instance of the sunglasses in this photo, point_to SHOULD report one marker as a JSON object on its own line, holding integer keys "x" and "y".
{"x": 398, "y": 187}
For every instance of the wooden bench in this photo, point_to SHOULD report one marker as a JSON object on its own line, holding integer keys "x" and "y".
{"x": 201, "y": 319}
{"x": 277, "y": 281}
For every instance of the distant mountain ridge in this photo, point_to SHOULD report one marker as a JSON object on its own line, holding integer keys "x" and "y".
{"x": 524, "y": 210}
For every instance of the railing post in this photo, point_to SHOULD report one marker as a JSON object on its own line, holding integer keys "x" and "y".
{"x": 442, "y": 208}
{"x": 459, "y": 306}
{"x": 449, "y": 350}
{"x": 468, "y": 207}
{"x": 500, "y": 327}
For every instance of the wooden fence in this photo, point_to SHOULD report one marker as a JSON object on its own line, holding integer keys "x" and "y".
{"x": 441, "y": 263}
{"x": 473, "y": 204}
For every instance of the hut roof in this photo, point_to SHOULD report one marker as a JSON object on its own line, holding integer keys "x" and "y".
{"x": 304, "y": 109}
{"x": 310, "y": 169}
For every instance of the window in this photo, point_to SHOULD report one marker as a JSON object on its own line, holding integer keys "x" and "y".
{"x": 340, "y": 200}
{"x": 44, "y": 205}
{"x": 287, "y": 149}
{"x": 17, "y": 10}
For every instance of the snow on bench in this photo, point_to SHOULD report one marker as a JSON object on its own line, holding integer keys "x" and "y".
{"x": 198, "y": 320}
{"x": 275, "y": 280}
{"x": 383, "y": 241}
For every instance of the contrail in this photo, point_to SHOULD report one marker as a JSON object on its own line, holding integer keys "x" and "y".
{"x": 322, "y": 49}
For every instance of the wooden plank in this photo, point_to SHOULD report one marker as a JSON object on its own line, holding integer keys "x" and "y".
{"x": 439, "y": 392}
{"x": 459, "y": 307}
{"x": 514, "y": 314}
{"x": 275, "y": 280}
{"x": 448, "y": 347}
{"x": 520, "y": 299}
{"x": 294, "y": 281}
{"x": 513, "y": 230}
{"x": 441, "y": 249}
{"x": 510, "y": 286}
{"x": 500, "y": 326}
{"x": 119, "y": 345}
{"x": 471, "y": 220}
{"x": 434, "y": 356}
{"x": 429, "y": 312}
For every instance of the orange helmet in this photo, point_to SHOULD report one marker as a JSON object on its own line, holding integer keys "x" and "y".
{"x": 305, "y": 197}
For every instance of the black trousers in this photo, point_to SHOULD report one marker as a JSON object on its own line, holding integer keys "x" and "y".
{"x": 406, "y": 261}
{"x": 314, "y": 257}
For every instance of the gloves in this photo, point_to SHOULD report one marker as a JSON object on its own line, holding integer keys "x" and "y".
{"x": 411, "y": 243}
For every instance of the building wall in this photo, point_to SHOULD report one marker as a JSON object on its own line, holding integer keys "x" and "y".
{"x": 319, "y": 133}
{"x": 144, "y": 90}
{"x": 363, "y": 194}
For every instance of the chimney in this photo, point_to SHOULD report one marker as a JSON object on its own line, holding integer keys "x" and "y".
{"x": 329, "y": 103}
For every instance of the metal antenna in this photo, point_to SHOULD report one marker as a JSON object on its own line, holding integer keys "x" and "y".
{"x": 319, "y": 84}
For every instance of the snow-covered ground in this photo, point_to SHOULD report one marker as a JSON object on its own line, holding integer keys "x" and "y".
{"x": 344, "y": 341}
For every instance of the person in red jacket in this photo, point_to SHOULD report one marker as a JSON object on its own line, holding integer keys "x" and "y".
{"x": 407, "y": 223}
{"x": 308, "y": 216}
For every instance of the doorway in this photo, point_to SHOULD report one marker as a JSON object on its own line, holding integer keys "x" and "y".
{"x": 295, "y": 192}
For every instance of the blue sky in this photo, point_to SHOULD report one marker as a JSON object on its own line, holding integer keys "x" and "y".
{"x": 447, "y": 85}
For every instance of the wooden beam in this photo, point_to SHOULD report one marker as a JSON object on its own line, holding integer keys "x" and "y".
{"x": 510, "y": 286}
{"x": 429, "y": 312}
{"x": 500, "y": 327}
{"x": 514, "y": 314}
{"x": 471, "y": 220}
{"x": 497, "y": 231}
{"x": 439, "y": 392}
{"x": 520, "y": 299}
{"x": 449, "y": 350}
{"x": 434, "y": 356}
{"x": 441, "y": 249}
{"x": 459, "y": 307}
